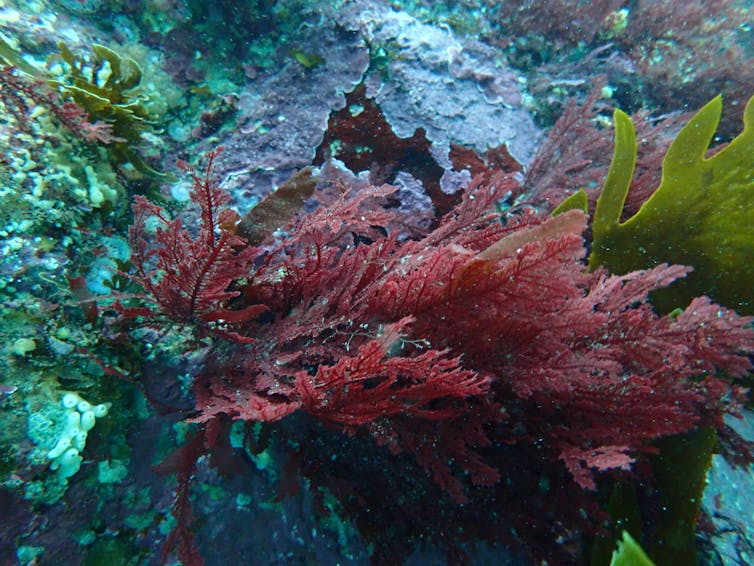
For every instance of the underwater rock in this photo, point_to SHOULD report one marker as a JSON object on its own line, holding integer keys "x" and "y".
{"x": 455, "y": 88}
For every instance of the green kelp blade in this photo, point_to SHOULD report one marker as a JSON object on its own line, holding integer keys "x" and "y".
{"x": 578, "y": 200}
{"x": 625, "y": 515}
{"x": 629, "y": 553}
{"x": 680, "y": 469}
{"x": 701, "y": 215}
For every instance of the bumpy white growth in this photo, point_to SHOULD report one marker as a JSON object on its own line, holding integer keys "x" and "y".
{"x": 87, "y": 420}
{"x": 80, "y": 417}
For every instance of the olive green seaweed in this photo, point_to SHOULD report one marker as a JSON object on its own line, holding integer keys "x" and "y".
{"x": 680, "y": 469}
{"x": 307, "y": 60}
{"x": 107, "y": 87}
{"x": 701, "y": 214}
{"x": 578, "y": 201}
{"x": 629, "y": 553}
{"x": 625, "y": 515}
{"x": 10, "y": 56}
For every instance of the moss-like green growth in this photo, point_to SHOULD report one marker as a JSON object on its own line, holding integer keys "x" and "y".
{"x": 701, "y": 214}
{"x": 117, "y": 550}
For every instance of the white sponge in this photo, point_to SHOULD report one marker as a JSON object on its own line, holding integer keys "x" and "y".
{"x": 80, "y": 418}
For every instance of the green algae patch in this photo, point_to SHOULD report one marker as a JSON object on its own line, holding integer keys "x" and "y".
{"x": 701, "y": 214}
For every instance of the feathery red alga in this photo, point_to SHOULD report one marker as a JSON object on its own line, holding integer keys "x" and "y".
{"x": 474, "y": 335}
